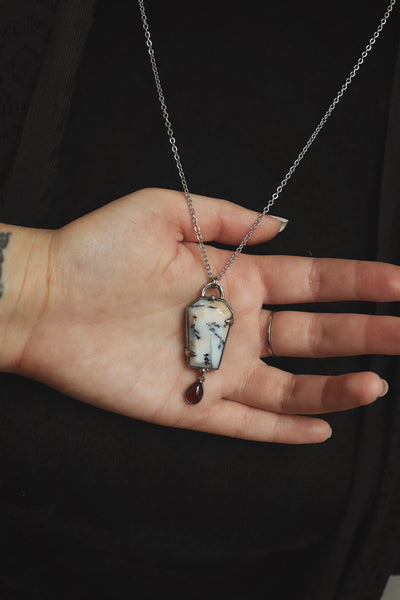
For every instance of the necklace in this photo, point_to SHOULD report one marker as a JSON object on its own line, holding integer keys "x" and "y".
{"x": 208, "y": 318}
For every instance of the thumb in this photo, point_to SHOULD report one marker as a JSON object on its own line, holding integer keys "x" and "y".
{"x": 219, "y": 220}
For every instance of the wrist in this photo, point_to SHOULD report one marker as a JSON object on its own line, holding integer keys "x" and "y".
{"x": 23, "y": 289}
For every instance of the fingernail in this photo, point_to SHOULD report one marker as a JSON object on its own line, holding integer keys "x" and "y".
{"x": 385, "y": 388}
{"x": 330, "y": 435}
{"x": 283, "y": 221}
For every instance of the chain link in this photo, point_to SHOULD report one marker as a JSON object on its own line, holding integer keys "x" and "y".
{"x": 292, "y": 169}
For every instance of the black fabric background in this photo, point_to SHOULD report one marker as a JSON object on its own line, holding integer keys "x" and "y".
{"x": 95, "y": 505}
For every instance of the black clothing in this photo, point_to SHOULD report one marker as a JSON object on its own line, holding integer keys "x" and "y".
{"x": 97, "y": 505}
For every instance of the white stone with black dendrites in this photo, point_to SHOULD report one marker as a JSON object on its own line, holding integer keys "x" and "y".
{"x": 207, "y": 330}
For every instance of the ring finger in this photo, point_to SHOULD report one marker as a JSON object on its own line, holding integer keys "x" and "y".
{"x": 317, "y": 335}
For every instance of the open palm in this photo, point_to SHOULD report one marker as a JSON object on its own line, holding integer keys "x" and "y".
{"x": 113, "y": 330}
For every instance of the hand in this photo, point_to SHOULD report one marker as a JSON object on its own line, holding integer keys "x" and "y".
{"x": 112, "y": 330}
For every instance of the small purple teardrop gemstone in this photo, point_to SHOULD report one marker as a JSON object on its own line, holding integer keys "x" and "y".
{"x": 194, "y": 393}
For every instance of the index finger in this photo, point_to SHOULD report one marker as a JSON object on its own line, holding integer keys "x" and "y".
{"x": 293, "y": 279}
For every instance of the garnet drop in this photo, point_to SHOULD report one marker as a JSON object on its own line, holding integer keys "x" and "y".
{"x": 194, "y": 393}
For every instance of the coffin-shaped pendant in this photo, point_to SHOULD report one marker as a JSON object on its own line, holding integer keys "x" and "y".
{"x": 208, "y": 321}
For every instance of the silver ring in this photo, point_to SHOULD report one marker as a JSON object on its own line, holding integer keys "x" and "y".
{"x": 270, "y": 351}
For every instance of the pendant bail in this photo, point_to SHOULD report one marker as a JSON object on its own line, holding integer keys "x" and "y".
{"x": 213, "y": 284}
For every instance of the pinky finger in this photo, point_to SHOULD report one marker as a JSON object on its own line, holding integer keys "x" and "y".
{"x": 237, "y": 420}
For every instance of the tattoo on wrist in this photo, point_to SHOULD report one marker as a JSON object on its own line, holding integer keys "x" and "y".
{"x": 4, "y": 239}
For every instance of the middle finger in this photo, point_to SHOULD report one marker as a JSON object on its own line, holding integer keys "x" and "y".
{"x": 294, "y": 279}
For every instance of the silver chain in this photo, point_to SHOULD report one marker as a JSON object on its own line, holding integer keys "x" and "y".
{"x": 292, "y": 169}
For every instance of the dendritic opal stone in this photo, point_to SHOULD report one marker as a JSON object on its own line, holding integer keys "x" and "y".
{"x": 208, "y": 321}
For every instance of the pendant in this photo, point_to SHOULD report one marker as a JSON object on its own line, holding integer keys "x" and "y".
{"x": 208, "y": 321}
